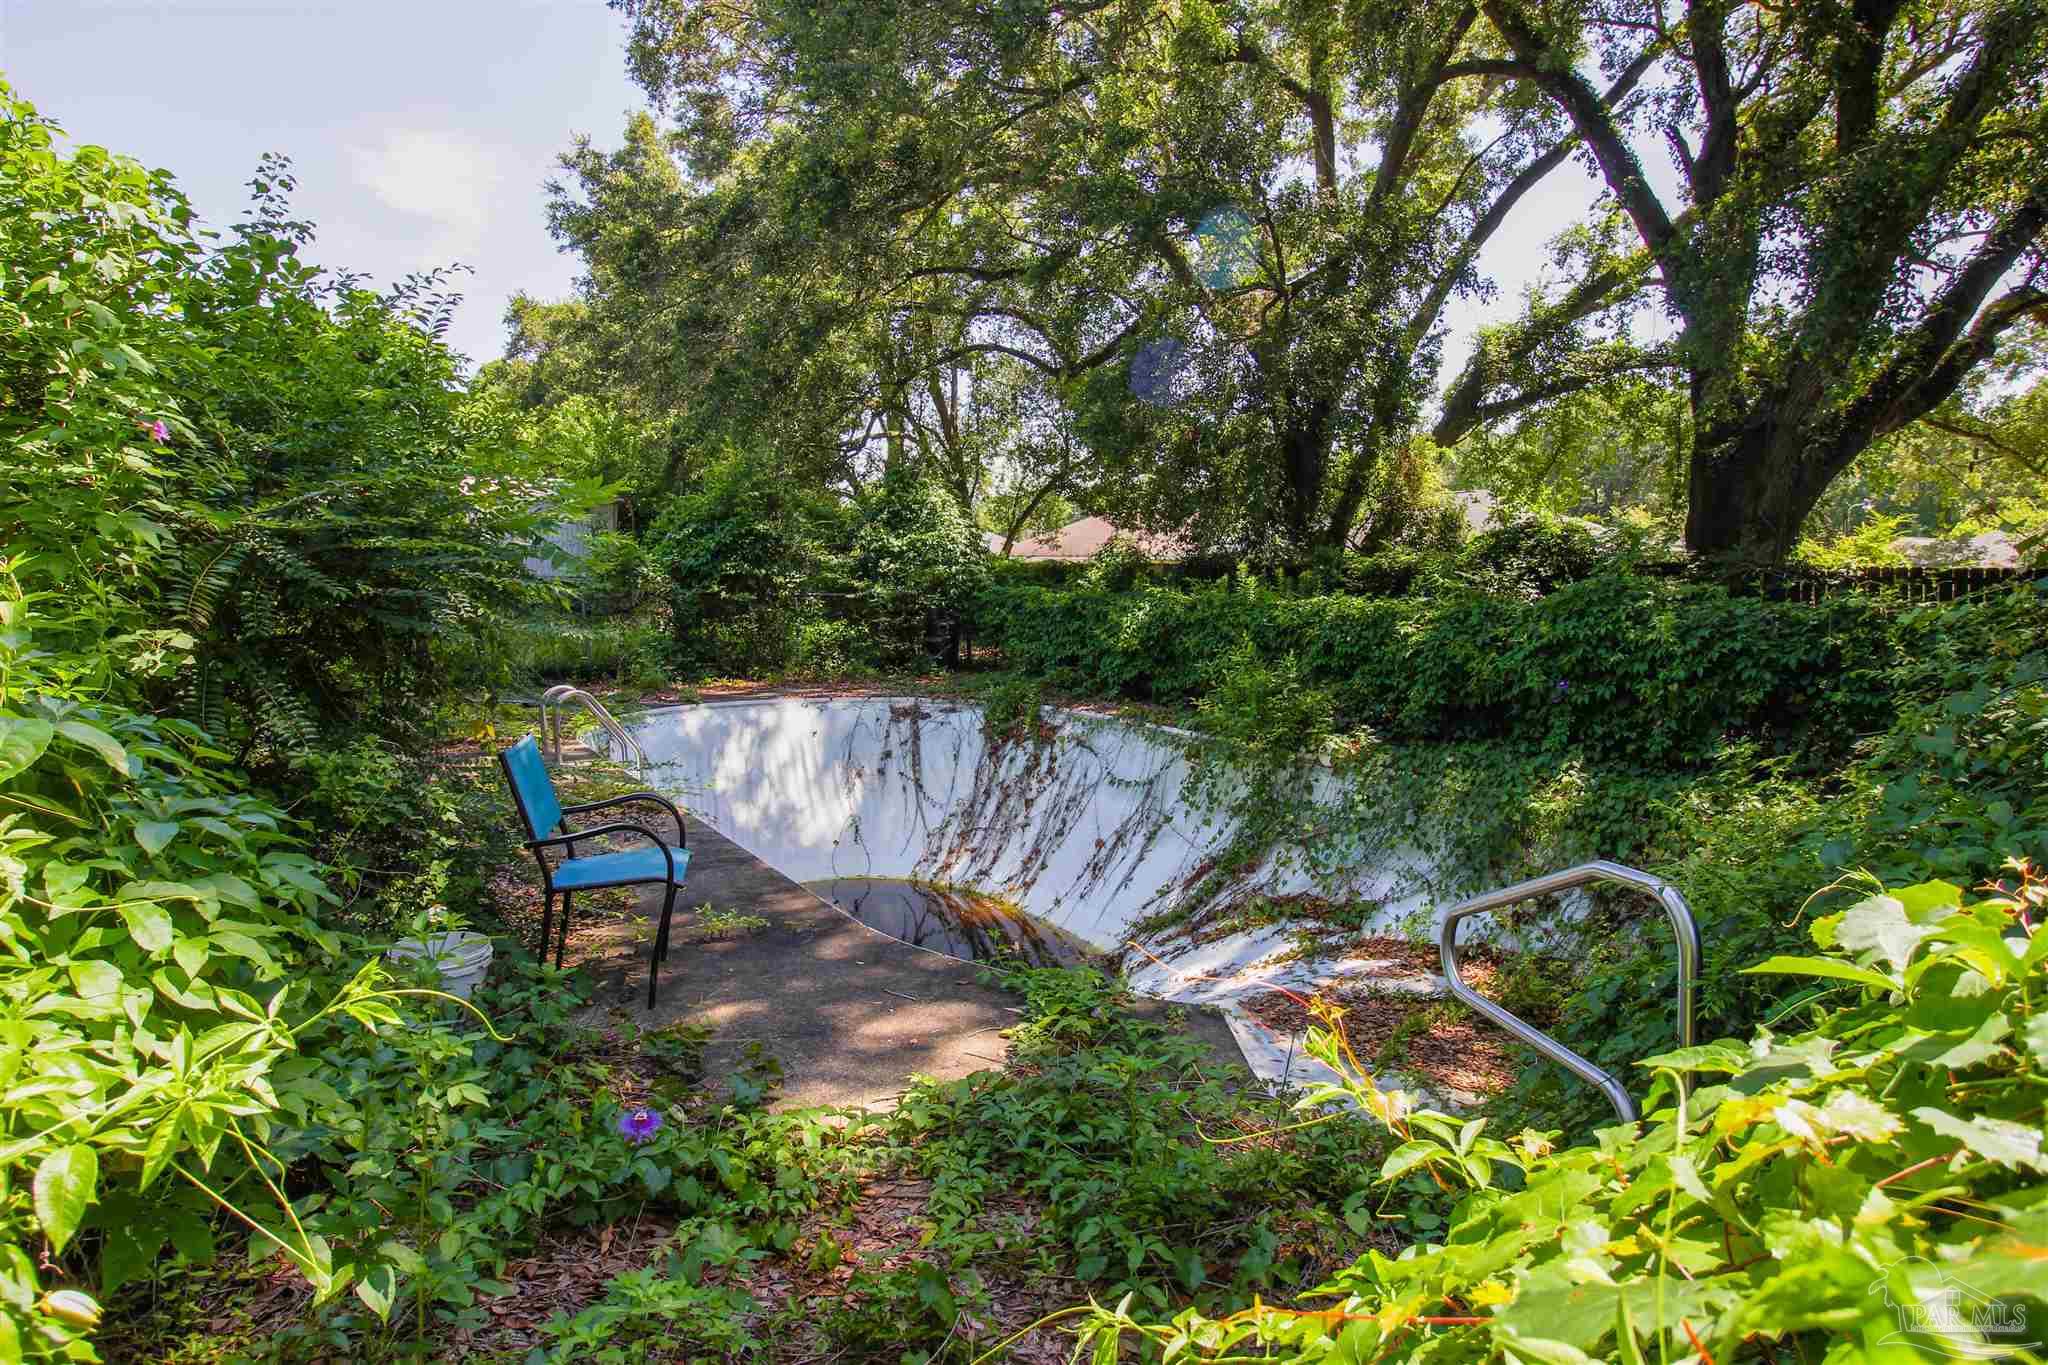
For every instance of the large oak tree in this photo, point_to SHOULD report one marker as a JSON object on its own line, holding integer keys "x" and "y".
{"x": 1862, "y": 189}
{"x": 1224, "y": 234}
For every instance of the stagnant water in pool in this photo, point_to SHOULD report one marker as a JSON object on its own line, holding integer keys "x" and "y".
{"x": 957, "y": 921}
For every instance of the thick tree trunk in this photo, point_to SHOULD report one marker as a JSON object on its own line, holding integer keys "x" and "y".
{"x": 1305, "y": 461}
{"x": 1752, "y": 484}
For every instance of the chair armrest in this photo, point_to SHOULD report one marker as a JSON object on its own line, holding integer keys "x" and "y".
{"x": 682, "y": 840}
{"x": 622, "y": 827}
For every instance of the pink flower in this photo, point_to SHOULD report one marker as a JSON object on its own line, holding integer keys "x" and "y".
{"x": 159, "y": 431}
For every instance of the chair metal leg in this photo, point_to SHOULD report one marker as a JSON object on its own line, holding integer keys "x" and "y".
{"x": 547, "y": 924}
{"x": 660, "y": 953}
{"x": 667, "y": 908}
{"x": 562, "y": 943}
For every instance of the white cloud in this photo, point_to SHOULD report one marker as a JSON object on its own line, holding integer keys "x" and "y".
{"x": 449, "y": 179}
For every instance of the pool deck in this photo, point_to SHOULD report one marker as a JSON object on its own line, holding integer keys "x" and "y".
{"x": 850, "y": 1013}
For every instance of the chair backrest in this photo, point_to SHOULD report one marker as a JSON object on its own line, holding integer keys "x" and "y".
{"x": 533, "y": 791}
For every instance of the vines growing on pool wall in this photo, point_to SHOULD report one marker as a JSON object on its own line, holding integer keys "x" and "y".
{"x": 1118, "y": 829}
{"x": 1200, "y": 822}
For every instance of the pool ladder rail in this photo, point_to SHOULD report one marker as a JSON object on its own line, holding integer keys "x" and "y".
{"x": 556, "y": 699}
{"x": 1683, "y": 927}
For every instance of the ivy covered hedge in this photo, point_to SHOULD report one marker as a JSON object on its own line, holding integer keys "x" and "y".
{"x": 1616, "y": 666}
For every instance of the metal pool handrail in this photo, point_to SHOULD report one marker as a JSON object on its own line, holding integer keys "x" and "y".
{"x": 1585, "y": 874}
{"x": 551, "y": 703}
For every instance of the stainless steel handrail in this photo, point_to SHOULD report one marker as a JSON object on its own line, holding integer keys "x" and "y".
{"x": 551, "y": 722}
{"x": 1585, "y": 874}
{"x": 550, "y": 738}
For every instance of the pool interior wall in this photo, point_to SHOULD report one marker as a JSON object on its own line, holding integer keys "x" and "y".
{"x": 1087, "y": 829}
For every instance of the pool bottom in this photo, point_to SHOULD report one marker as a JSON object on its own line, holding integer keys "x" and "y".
{"x": 958, "y": 921}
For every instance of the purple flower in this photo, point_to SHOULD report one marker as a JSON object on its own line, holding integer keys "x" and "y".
{"x": 1563, "y": 687}
{"x": 159, "y": 431}
{"x": 638, "y": 1125}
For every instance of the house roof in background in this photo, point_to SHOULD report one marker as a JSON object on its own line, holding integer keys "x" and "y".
{"x": 1079, "y": 540}
{"x": 1992, "y": 549}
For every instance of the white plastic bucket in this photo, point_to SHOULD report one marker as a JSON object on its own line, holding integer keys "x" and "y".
{"x": 461, "y": 958}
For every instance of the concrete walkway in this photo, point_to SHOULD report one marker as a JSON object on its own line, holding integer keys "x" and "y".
{"x": 850, "y": 1013}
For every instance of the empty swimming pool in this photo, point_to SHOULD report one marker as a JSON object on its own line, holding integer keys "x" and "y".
{"x": 1088, "y": 829}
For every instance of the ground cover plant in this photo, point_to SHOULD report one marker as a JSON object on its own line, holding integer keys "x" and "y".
{"x": 462, "y": 1153}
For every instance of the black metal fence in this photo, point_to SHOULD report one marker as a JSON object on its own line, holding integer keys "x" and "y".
{"x": 1792, "y": 583}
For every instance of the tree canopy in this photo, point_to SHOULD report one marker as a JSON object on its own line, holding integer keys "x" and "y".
{"x": 1189, "y": 264}
{"x": 1858, "y": 216}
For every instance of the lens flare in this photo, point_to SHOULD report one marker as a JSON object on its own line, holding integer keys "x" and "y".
{"x": 1157, "y": 369}
{"x": 1226, "y": 247}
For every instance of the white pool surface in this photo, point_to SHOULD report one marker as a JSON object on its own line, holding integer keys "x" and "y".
{"x": 1090, "y": 830}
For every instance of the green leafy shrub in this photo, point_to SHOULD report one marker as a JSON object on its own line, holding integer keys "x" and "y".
{"x": 1810, "y": 1194}
{"x": 1388, "y": 573}
{"x": 1116, "y": 567}
{"x": 1950, "y": 790}
{"x": 1103, "y": 1129}
{"x": 253, "y": 491}
{"x": 1010, "y": 707}
{"x": 1267, "y": 709}
{"x": 156, "y": 920}
{"x": 619, "y": 571}
{"x": 345, "y": 523}
{"x": 741, "y": 552}
{"x": 833, "y": 649}
{"x": 1531, "y": 556}
{"x": 630, "y": 651}
{"x": 919, "y": 561}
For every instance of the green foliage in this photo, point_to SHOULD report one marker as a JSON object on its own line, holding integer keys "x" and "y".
{"x": 1531, "y": 556}
{"x": 149, "y": 910}
{"x": 918, "y": 559}
{"x": 1235, "y": 333}
{"x": 1106, "y": 1127}
{"x": 1010, "y": 707}
{"x": 1616, "y": 666}
{"x": 1949, "y": 790}
{"x": 1806, "y": 1192}
{"x": 740, "y": 552}
{"x": 1610, "y": 448}
{"x": 256, "y": 493}
{"x": 434, "y": 1155}
{"x": 249, "y": 516}
{"x": 346, "y": 519}
{"x": 97, "y": 252}
{"x": 1116, "y": 567}
{"x": 619, "y": 571}
{"x": 832, "y": 650}
{"x": 647, "y": 1309}
{"x": 628, "y": 650}
{"x": 713, "y": 922}
{"x": 1868, "y": 546}
{"x": 1268, "y": 711}
{"x": 158, "y": 922}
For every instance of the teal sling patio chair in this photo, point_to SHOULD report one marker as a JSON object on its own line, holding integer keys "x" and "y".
{"x": 533, "y": 792}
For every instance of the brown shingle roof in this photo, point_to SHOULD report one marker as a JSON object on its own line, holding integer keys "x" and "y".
{"x": 1079, "y": 540}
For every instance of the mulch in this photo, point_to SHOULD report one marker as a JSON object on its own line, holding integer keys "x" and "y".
{"x": 885, "y": 1231}
{"x": 1456, "y": 1048}
{"x": 566, "y": 1273}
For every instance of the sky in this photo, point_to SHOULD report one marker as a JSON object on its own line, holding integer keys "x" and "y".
{"x": 421, "y": 133}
